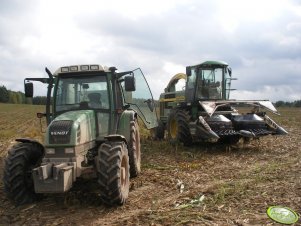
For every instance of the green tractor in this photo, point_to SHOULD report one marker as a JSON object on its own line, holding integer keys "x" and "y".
{"x": 196, "y": 107}
{"x": 92, "y": 132}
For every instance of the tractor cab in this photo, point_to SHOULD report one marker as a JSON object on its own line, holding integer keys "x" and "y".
{"x": 209, "y": 80}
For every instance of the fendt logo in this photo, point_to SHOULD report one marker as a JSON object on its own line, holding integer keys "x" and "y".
{"x": 60, "y": 133}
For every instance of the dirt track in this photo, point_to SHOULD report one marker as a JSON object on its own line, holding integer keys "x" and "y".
{"x": 236, "y": 187}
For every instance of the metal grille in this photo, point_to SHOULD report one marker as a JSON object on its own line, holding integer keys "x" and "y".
{"x": 60, "y": 132}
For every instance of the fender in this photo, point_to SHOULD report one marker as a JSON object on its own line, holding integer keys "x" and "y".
{"x": 116, "y": 137}
{"x": 124, "y": 123}
{"x": 28, "y": 140}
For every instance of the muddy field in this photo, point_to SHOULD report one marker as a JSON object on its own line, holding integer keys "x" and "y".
{"x": 202, "y": 185}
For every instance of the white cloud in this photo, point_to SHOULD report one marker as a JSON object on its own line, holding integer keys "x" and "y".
{"x": 259, "y": 39}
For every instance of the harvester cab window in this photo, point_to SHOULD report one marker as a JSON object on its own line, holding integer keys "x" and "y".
{"x": 191, "y": 83}
{"x": 210, "y": 83}
{"x": 227, "y": 84}
{"x": 191, "y": 79}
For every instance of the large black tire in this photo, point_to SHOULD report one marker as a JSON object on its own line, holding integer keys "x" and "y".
{"x": 178, "y": 127}
{"x": 230, "y": 140}
{"x": 159, "y": 131}
{"x": 113, "y": 173}
{"x": 17, "y": 178}
{"x": 134, "y": 150}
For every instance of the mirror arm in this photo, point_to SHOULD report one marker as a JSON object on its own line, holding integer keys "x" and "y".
{"x": 48, "y": 100}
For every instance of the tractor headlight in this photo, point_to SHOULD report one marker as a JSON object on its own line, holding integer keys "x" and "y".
{"x": 69, "y": 150}
{"x": 94, "y": 67}
{"x": 84, "y": 67}
{"x": 73, "y": 68}
{"x": 50, "y": 151}
{"x": 65, "y": 69}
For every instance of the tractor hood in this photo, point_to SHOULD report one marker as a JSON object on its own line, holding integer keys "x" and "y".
{"x": 71, "y": 128}
{"x": 211, "y": 106}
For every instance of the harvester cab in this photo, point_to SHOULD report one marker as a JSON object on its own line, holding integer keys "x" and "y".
{"x": 210, "y": 80}
{"x": 92, "y": 115}
{"x": 196, "y": 107}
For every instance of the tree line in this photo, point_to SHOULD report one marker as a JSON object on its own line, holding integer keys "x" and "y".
{"x": 13, "y": 97}
{"x": 280, "y": 103}
{"x": 17, "y": 97}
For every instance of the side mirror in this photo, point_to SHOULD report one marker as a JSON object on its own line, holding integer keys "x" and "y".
{"x": 129, "y": 83}
{"x": 28, "y": 89}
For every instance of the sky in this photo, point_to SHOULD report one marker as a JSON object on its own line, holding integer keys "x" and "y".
{"x": 259, "y": 39}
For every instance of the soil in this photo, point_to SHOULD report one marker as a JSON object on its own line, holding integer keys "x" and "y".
{"x": 206, "y": 184}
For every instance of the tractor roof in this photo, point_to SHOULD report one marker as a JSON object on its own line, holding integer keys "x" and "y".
{"x": 211, "y": 63}
{"x": 81, "y": 68}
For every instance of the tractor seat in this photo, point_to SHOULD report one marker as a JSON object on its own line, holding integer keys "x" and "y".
{"x": 94, "y": 100}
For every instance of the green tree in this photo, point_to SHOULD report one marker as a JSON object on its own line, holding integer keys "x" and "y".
{"x": 13, "y": 97}
{"x": 297, "y": 103}
{"x": 4, "y": 94}
{"x": 279, "y": 103}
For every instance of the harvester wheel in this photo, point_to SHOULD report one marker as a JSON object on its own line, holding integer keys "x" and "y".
{"x": 158, "y": 132}
{"x": 178, "y": 127}
{"x": 134, "y": 150}
{"x": 113, "y": 172}
{"x": 17, "y": 179}
{"x": 230, "y": 140}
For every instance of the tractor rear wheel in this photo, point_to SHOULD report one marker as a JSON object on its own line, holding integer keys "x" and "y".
{"x": 178, "y": 127}
{"x": 17, "y": 179}
{"x": 134, "y": 149}
{"x": 113, "y": 172}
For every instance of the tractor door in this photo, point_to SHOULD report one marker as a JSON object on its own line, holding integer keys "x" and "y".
{"x": 141, "y": 100}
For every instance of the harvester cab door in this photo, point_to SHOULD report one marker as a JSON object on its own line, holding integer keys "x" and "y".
{"x": 141, "y": 100}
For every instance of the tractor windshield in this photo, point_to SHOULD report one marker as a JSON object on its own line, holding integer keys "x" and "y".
{"x": 81, "y": 92}
{"x": 209, "y": 83}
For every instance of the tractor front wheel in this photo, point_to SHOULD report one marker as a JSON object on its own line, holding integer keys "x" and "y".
{"x": 17, "y": 179}
{"x": 178, "y": 127}
{"x": 113, "y": 172}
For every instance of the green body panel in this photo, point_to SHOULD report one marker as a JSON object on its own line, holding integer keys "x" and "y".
{"x": 124, "y": 123}
{"x": 85, "y": 119}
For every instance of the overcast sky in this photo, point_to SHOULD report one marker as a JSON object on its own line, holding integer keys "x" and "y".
{"x": 260, "y": 39}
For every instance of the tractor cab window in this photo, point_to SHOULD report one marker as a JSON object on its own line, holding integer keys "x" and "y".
{"x": 141, "y": 100}
{"x": 210, "y": 83}
{"x": 81, "y": 92}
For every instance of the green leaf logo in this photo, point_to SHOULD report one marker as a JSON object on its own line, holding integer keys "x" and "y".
{"x": 282, "y": 215}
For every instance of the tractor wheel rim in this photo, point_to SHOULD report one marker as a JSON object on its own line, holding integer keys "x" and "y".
{"x": 173, "y": 128}
{"x": 137, "y": 147}
{"x": 123, "y": 172}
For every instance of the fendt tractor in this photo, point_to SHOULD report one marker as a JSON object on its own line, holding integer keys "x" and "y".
{"x": 92, "y": 131}
{"x": 200, "y": 109}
